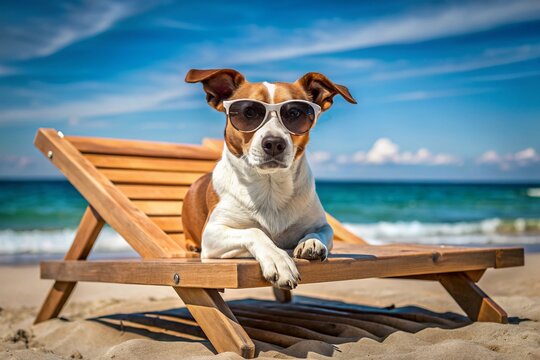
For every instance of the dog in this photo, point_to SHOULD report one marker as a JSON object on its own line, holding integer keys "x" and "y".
{"x": 260, "y": 200}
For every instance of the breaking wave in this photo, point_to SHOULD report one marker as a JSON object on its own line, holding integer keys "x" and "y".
{"x": 489, "y": 231}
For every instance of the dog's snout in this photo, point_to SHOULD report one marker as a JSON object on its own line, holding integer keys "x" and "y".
{"x": 273, "y": 145}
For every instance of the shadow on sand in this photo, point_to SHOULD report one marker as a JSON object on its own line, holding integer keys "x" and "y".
{"x": 276, "y": 326}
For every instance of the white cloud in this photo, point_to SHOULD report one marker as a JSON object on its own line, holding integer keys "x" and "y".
{"x": 489, "y": 157}
{"x": 39, "y": 37}
{"x": 15, "y": 161}
{"x": 337, "y": 36}
{"x": 319, "y": 157}
{"x": 490, "y": 58}
{"x": 384, "y": 152}
{"x": 505, "y": 162}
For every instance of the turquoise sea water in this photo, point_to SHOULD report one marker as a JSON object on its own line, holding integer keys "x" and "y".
{"x": 40, "y": 217}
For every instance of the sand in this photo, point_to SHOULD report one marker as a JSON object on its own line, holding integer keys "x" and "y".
{"x": 517, "y": 290}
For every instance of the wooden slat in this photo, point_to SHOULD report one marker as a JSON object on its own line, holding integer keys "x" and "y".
{"x": 355, "y": 262}
{"x": 114, "y": 207}
{"x": 160, "y": 208}
{"x": 179, "y": 238}
{"x": 214, "y": 144}
{"x": 149, "y": 163}
{"x": 153, "y": 192}
{"x": 171, "y": 224}
{"x": 151, "y": 177}
{"x": 142, "y": 148}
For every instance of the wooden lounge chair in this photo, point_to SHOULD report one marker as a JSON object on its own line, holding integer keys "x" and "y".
{"x": 137, "y": 188}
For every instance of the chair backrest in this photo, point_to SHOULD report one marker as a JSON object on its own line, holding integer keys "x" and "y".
{"x": 153, "y": 176}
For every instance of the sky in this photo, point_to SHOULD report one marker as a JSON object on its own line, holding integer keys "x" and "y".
{"x": 446, "y": 90}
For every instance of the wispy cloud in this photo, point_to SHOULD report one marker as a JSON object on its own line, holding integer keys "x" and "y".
{"x": 506, "y": 162}
{"x": 5, "y": 70}
{"x": 383, "y": 152}
{"x": 507, "y": 76}
{"x": 180, "y": 25}
{"x": 137, "y": 100}
{"x": 434, "y": 94}
{"x": 338, "y": 36}
{"x": 17, "y": 162}
{"x": 348, "y": 63}
{"x": 39, "y": 37}
{"x": 488, "y": 59}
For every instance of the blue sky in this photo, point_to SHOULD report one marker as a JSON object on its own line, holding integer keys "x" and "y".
{"x": 445, "y": 90}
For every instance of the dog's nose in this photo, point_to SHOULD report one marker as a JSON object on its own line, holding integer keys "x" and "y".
{"x": 273, "y": 145}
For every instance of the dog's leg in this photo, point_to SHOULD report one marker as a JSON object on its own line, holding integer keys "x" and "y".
{"x": 315, "y": 245}
{"x": 224, "y": 242}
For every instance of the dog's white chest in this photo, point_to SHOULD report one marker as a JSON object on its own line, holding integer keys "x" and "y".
{"x": 281, "y": 206}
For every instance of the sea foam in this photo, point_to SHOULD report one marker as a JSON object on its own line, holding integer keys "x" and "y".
{"x": 489, "y": 231}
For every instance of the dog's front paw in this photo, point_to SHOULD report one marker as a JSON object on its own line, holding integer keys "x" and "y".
{"x": 279, "y": 269}
{"x": 311, "y": 249}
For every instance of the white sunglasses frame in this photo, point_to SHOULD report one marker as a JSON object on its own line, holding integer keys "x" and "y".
{"x": 272, "y": 108}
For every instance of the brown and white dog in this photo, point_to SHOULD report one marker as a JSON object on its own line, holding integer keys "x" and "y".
{"x": 260, "y": 200}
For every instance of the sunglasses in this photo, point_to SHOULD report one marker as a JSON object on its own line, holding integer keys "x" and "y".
{"x": 297, "y": 116}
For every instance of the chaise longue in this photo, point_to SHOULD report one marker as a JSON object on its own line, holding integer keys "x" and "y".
{"x": 137, "y": 188}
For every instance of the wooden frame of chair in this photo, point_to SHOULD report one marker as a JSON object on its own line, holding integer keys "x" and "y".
{"x": 103, "y": 171}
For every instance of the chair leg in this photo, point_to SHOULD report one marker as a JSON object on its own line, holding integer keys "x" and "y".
{"x": 281, "y": 295}
{"x": 477, "y": 304}
{"x": 89, "y": 229}
{"x": 217, "y": 321}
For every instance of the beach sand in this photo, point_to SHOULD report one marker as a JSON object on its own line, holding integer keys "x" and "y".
{"x": 517, "y": 290}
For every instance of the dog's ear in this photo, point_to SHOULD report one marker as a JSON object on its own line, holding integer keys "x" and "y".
{"x": 322, "y": 90}
{"x": 219, "y": 84}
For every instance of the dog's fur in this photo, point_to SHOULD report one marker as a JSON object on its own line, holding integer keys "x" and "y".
{"x": 255, "y": 205}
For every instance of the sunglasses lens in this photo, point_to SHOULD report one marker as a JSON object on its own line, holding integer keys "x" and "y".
{"x": 297, "y": 116}
{"x": 246, "y": 115}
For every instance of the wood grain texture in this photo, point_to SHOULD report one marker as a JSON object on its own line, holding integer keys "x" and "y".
{"x": 476, "y": 303}
{"x": 87, "y": 233}
{"x": 217, "y": 321}
{"x": 141, "y": 148}
{"x": 348, "y": 262}
{"x": 149, "y": 163}
{"x": 160, "y": 207}
{"x": 113, "y": 206}
{"x": 168, "y": 224}
{"x": 150, "y": 177}
{"x": 138, "y": 188}
{"x": 153, "y": 192}
{"x": 214, "y": 144}
{"x": 282, "y": 295}
{"x": 510, "y": 257}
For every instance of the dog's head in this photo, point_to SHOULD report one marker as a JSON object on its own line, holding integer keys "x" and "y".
{"x": 275, "y": 142}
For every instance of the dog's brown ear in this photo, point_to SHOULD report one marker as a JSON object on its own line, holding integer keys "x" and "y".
{"x": 322, "y": 90}
{"x": 219, "y": 84}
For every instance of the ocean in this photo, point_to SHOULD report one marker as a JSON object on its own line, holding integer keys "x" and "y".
{"x": 38, "y": 218}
